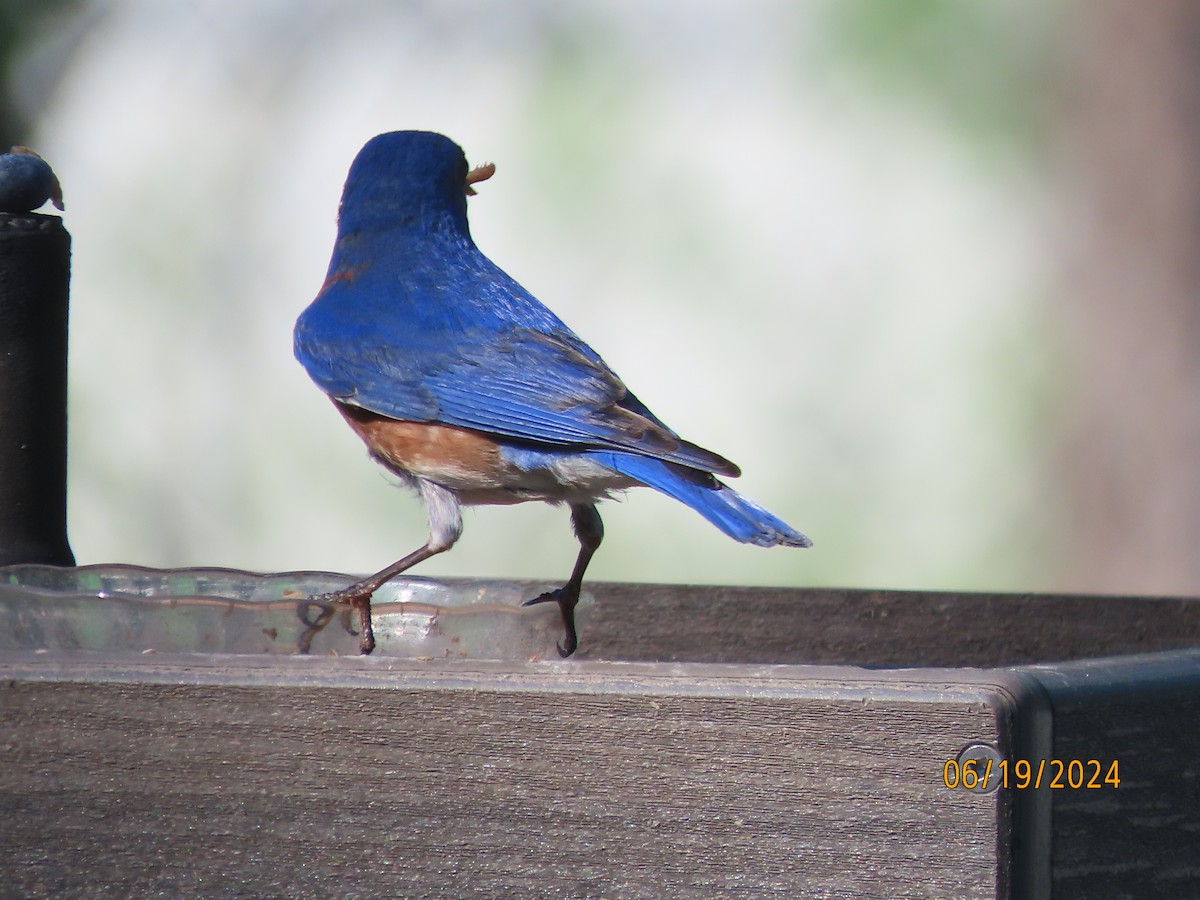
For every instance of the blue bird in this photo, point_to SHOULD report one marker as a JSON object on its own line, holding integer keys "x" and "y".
{"x": 471, "y": 391}
{"x": 27, "y": 182}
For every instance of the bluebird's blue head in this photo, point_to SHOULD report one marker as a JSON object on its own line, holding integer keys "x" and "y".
{"x": 407, "y": 180}
{"x": 26, "y": 182}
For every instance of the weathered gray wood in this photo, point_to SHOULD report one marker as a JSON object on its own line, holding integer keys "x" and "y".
{"x": 673, "y": 757}
{"x": 210, "y": 775}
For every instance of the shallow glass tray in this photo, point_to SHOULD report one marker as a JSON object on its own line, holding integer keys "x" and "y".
{"x": 131, "y": 609}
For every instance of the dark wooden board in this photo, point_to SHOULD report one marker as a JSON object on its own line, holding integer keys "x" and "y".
{"x": 1142, "y": 839}
{"x": 877, "y": 628}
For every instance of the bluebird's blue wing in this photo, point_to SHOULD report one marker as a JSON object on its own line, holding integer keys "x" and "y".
{"x": 459, "y": 342}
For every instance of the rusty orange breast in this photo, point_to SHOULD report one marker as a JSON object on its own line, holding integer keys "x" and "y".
{"x": 442, "y": 453}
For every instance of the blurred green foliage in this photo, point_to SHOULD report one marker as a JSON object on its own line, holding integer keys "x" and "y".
{"x": 21, "y": 25}
{"x": 983, "y": 67}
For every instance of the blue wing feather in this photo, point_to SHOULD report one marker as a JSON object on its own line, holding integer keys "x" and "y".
{"x": 739, "y": 517}
{"x": 467, "y": 346}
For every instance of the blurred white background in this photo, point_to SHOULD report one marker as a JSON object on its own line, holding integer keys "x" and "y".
{"x": 822, "y": 239}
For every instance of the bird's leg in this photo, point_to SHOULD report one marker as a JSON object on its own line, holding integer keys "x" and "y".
{"x": 358, "y": 595}
{"x": 445, "y": 527}
{"x": 590, "y": 530}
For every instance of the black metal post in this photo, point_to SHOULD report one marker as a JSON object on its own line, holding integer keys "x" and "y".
{"x": 35, "y": 263}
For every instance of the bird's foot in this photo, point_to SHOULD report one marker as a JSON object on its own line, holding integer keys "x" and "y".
{"x": 354, "y": 598}
{"x": 567, "y": 597}
{"x": 315, "y": 615}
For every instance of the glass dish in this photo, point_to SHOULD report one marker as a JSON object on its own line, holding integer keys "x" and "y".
{"x": 131, "y": 609}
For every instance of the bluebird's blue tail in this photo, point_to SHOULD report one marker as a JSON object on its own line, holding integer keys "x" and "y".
{"x": 740, "y": 518}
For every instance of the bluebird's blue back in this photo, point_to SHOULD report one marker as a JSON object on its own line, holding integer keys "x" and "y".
{"x": 461, "y": 382}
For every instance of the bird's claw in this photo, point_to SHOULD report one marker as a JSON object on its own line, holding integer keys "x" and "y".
{"x": 348, "y": 597}
{"x": 566, "y": 598}
{"x": 313, "y": 624}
